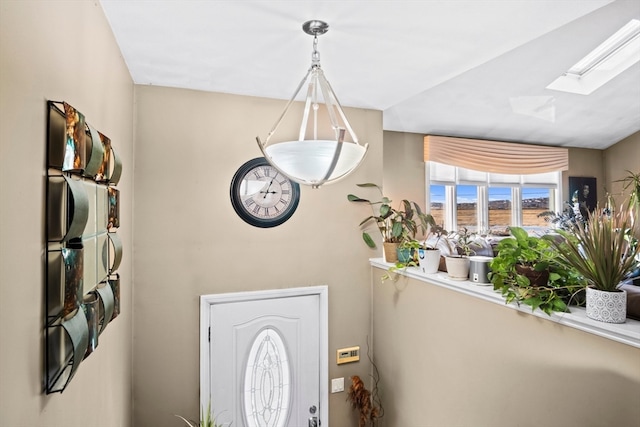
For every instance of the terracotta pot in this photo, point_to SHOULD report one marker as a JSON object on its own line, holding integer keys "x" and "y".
{"x": 536, "y": 278}
{"x": 390, "y": 252}
{"x": 604, "y": 306}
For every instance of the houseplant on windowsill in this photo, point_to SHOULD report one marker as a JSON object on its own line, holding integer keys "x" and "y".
{"x": 525, "y": 271}
{"x": 395, "y": 225}
{"x": 604, "y": 251}
{"x": 428, "y": 252}
{"x": 457, "y": 261}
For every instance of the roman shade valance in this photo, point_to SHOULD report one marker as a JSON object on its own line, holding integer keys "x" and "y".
{"x": 495, "y": 156}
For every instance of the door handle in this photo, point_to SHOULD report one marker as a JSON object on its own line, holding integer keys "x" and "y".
{"x": 313, "y": 420}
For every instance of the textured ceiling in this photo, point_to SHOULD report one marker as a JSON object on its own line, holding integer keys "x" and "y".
{"x": 474, "y": 68}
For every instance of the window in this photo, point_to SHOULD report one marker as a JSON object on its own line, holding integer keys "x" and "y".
{"x": 437, "y": 203}
{"x": 500, "y": 212}
{"x": 483, "y": 201}
{"x": 534, "y": 202}
{"x": 467, "y": 207}
{"x": 492, "y": 184}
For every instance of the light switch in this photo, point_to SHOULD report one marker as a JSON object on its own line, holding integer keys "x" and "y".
{"x": 337, "y": 385}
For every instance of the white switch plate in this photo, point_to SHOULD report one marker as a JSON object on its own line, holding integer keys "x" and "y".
{"x": 337, "y": 385}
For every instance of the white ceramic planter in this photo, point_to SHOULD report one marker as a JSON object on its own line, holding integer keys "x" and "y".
{"x": 610, "y": 307}
{"x": 429, "y": 260}
{"x": 457, "y": 267}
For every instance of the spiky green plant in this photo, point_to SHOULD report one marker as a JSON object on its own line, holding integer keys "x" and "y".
{"x": 207, "y": 419}
{"x": 603, "y": 250}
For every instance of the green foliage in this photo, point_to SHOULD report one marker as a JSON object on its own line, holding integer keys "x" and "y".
{"x": 207, "y": 419}
{"x": 604, "y": 250}
{"x": 631, "y": 182}
{"x": 395, "y": 225}
{"x": 537, "y": 253}
{"x": 460, "y": 242}
{"x": 562, "y": 220}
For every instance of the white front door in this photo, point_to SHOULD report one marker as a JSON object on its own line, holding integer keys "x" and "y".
{"x": 265, "y": 361}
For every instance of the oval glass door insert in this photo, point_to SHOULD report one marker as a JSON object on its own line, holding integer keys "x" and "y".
{"x": 267, "y": 385}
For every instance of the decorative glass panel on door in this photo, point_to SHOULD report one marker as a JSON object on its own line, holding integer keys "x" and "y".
{"x": 267, "y": 381}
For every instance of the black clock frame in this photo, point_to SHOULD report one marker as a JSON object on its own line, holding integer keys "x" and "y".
{"x": 246, "y": 215}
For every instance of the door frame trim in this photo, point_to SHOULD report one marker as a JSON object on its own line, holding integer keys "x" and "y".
{"x": 206, "y": 301}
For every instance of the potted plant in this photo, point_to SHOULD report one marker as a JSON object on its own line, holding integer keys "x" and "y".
{"x": 428, "y": 252}
{"x": 394, "y": 225}
{"x": 457, "y": 261}
{"x": 365, "y": 402}
{"x": 603, "y": 250}
{"x": 207, "y": 419}
{"x": 525, "y": 271}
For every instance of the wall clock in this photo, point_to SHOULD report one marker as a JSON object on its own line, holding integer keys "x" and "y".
{"x": 261, "y": 195}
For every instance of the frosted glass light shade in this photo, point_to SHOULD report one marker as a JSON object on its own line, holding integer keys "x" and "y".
{"x": 308, "y": 162}
{"x": 312, "y": 160}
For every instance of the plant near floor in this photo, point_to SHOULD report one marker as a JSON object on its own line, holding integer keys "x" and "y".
{"x": 537, "y": 254}
{"x": 366, "y": 402}
{"x": 207, "y": 419}
{"x": 362, "y": 401}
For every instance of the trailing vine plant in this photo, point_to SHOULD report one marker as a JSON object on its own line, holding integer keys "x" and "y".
{"x": 366, "y": 402}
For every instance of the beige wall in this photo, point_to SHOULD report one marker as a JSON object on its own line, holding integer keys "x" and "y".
{"x": 585, "y": 162}
{"x": 404, "y": 167}
{"x": 63, "y": 51}
{"x": 449, "y": 359}
{"x": 190, "y": 242}
{"x": 618, "y": 159}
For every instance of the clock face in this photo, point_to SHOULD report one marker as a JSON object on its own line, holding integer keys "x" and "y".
{"x": 261, "y": 195}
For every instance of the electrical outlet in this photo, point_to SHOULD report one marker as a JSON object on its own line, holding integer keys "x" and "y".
{"x": 347, "y": 355}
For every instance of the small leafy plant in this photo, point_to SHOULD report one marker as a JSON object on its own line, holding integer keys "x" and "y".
{"x": 461, "y": 242}
{"x": 538, "y": 255}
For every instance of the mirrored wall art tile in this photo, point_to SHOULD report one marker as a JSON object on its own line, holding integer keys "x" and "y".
{"x": 95, "y": 153}
{"x": 114, "y": 208}
{"x": 115, "y": 252}
{"x": 102, "y": 207}
{"x": 116, "y": 169}
{"x": 102, "y": 260}
{"x": 90, "y": 273}
{"x": 56, "y": 208}
{"x": 91, "y": 228}
{"x": 106, "y": 306}
{"x": 77, "y": 209}
{"x": 67, "y": 138}
{"x": 104, "y": 171}
{"x": 66, "y": 345}
{"x": 67, "y": 208}
{"x": 114, "y": 282}
{"x": 90, "y": 308}
{"x": 55, "y": 284}
{"x": 73, "y": 279}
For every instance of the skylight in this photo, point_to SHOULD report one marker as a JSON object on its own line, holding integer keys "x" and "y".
{"x": 616, "y": 54}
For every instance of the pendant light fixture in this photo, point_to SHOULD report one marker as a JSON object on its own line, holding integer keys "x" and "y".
{"x": 327, "y": 148}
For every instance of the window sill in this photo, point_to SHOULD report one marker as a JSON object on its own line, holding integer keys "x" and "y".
{"x": 626, "y": 333}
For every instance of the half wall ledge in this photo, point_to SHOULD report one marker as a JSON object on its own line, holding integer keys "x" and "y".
{"x": 626, "y": 333}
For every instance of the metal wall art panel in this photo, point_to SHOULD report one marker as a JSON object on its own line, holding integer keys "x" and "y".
{"x": 82, "y": 249}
